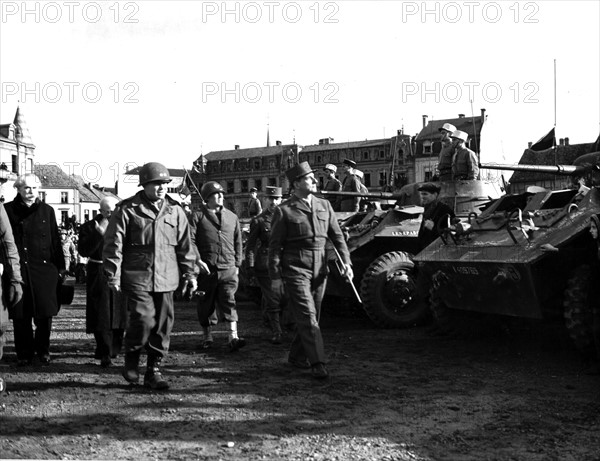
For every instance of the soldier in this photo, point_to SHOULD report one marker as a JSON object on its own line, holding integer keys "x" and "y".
{"x": 147, "y": 247}
{"x": 106, "y": 314}
{"x": 333, "y": 184}
{"x": 445, "y": 159}
{"x": 433, "y": 214}
{"x": 11, "y": 291}
{"x": 301, "y": 227}
{"x": 363, "y": 203}
{"x": 42, "y": 265}
{"x": 257, "y": 255}
{"x": 217, "y": 236}
{"x": 254, "y": 205}
{"x": 465, "y": 164}
{"x": 350, "y": 184}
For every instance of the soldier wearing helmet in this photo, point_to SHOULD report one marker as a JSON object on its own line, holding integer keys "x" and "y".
{"x": 465, "y": 164}
{"x": 147, "y": 247}
{"x": 445, "y": 159}
{"x": 217, "y": 237}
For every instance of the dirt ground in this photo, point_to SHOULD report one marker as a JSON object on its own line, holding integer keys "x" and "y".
{"x": 497, "y": 391}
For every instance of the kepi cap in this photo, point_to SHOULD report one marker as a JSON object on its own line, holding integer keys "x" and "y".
{"x": 430, "y": 187}
{"x": 350, "y": 163}
{"x": 330, "y": 166}
{"x": 273, "y": 192}
{"x": 253, "y": 189}
{"x": 297, "y": 171}
{"x": 460, "y": 135}
{"x": 448, "y": 127}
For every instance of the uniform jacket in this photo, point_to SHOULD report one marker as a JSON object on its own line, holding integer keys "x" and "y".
{"x": 333, "y": 185}
{"x": 217, "y": 237}
{"x": 147, "y": 250}
{"x": 40, "y": 251}
{"x": 351, "y": 184}
{"x": 104, "y": 309}
{"x": 434, "y": 211}
{"x": 299, "y": 232}
{"x": 465, "y": 164}
{"x": 254, "y": 207}
{"x": 257, "y": 245}
{"x": 445, "y": 159}
{"x": 11, "y": 269}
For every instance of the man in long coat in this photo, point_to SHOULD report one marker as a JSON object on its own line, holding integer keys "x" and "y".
{"x": 350, "y": 184}
{"x": 42, "y": 263}
{"x": 332, "y": 184}
{"x": 106, "y": 314}
{"x": 301, "y": 228}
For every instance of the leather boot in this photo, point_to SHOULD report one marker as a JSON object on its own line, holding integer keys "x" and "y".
{"x": 153, "y": 378}
{"x": 130, "y": 369}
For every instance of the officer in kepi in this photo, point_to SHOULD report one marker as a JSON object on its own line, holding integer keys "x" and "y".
{"x": 147, "y": 250}
{"x": 465, "y": 164}
{"x": 301, "y": 227}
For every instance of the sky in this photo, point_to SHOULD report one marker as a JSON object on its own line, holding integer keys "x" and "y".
{"x": 109, "y": 85}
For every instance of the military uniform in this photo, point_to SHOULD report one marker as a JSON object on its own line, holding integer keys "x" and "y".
{"x": 333, "y": 185}
{"x": 254, "y": 207}
{"x": 351, "y": 184}
{"x": 218, "y": 239}
{"x": 297, "y": 255}
{"x": 257, "y": 257}
{"x": 434, "y": 211}
{"x": 465, "y": 164}
{"x": 445, "y": 161}
{"x": 146, "y": 249}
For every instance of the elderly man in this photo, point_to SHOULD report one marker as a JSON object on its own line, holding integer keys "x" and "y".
{"x": 350, "y": 184}
{"x": 445, "y": 158}
{"x": 147, "y": 249}
{"x": 42, "y": 264}
{"x": 106, "y": 315}
{"x": 301, "y": 228}
{"x": 433, "y": 214}
{"x": 465, "y": 164}
{"x": 332, "y": 184}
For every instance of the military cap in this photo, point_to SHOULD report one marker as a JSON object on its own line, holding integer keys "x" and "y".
{"x": 299, "y": 170}
{"x": 457, "y": 134}
{"x": 350, "y": 163}
{"x": 430, "y": 187}
{"x": 448, "y": 127}
{"x": 253, "y": 189}
{"x": 273, "y": 192}
{"x": 331, "y": 167}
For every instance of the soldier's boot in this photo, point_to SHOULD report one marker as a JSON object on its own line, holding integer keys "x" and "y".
{"x": 153, "y": 377}
{"x": 130, "y": 369}
{"x": 275, "y": 327}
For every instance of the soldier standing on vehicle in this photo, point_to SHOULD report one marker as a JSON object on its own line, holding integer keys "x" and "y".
{"x": 106, "y": 312}
{"x": 217, "y": 236}
{"x": 301, "y": 227}
{"x": 434, "y": 213}
{"x": 333, "y": 184}
{"x": 350, "y": 184}
{"x": 257, "y": 255}
{"x": 254, "y": 205}
{"x": 445, "y": 158}
{"x": 147, "y": 248}
{"x": 465, "y": 164}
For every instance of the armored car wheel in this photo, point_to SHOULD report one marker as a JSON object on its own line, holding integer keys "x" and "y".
{"x": 578, "y": 309}
{"x": 389, "y": 292}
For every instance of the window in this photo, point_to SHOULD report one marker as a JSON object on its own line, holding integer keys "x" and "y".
{"x": 428, "y": 176}
{"x": 86, "y": 215}
{"x": 368, "y": 179}
{"x": 382, "y": 178}
{"x": 42, "y": 196}
{"x": 273, "y": 182}
{"x": 258, "y": 184}
{"x": 15, "y": 164}
{"x": 64, "y": 217}
{"x": 256, "y": 164}
{"x": 319, "y": 159}
{"x": 244, "y": 185}
{"x": 381, "y": 154}
{"x": 64, "y": 197}
{"x": 365, "y": 156}
{"x": 230, "y": 187}
{"x": 94, "y": 214}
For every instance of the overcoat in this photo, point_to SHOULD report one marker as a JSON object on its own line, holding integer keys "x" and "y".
{"x": 11, "y": 269}
{"x": 257, "y": 245}
{"x": 146, "y": 249}
{"x": 351, "y": 184}
{"x": 434, "y": 211}
{"x": 40, "y": 251}
{"x": 104, "y": 309}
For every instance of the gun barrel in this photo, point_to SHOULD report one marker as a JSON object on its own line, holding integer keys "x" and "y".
{"x": 373, "y": 195}
{"x": 562, "y": 170}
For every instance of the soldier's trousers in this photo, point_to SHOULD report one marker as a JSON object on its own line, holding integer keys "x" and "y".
{"x": 151, "y": 316}
{"x": 305, "y": 292}
{"x": 218, "y": 302}
{"x": 272, "y": 302}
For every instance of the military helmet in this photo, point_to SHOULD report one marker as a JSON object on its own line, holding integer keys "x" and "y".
{"x": 211, "y": 187}
{"x": 154, "y": 171}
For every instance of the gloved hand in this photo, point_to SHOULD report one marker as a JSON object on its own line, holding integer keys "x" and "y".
{"x": 15, "y": 294}
{"x": 189, "y": 287}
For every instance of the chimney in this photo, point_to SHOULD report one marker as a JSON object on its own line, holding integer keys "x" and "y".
{"x": 424, "y": 121}
{"x": 482, "y": 116}
{"x": 566, "y": 141}
{"x": 278, "y": 143}
{"x": 324, "y": 141}
{"x": 561, "y": 142}
{"x": 237, "y": 146}
{"x": 529, "y": 144}
{"x": 461, "y": 115}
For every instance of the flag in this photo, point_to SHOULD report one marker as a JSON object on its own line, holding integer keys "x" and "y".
{"x": 546, "y": 142}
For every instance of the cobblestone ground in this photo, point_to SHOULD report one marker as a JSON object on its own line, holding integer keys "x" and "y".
{"x": 497, "y": 391}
